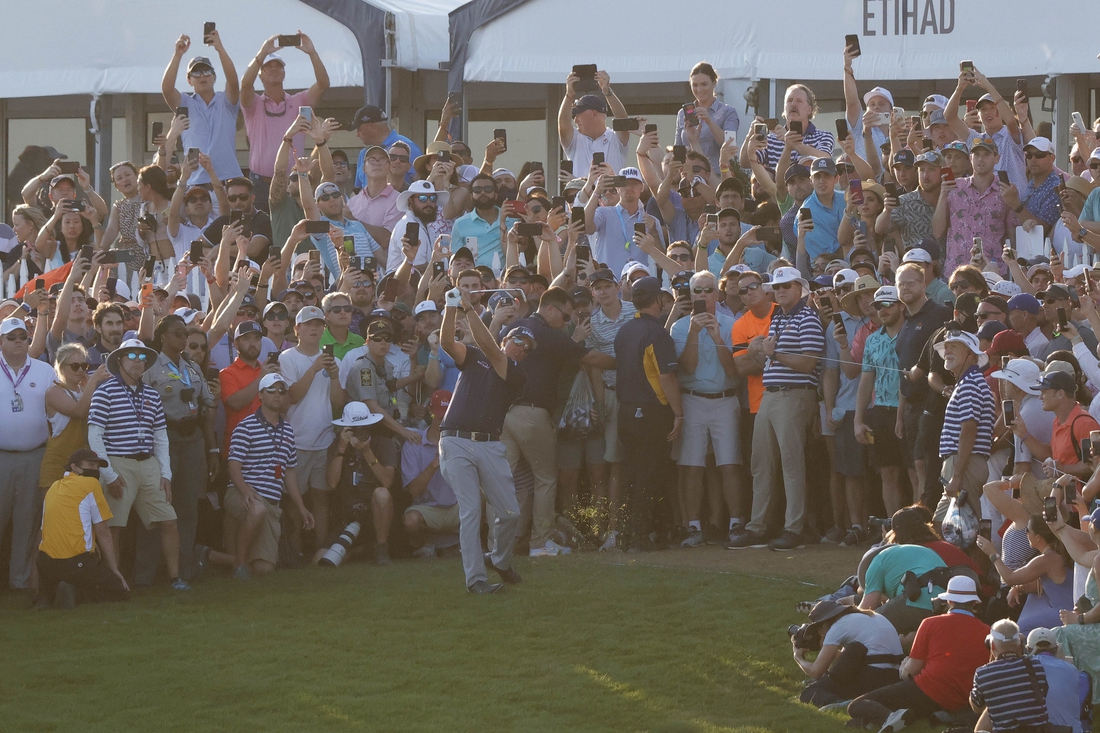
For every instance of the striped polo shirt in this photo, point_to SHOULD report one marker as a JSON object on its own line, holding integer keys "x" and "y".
{"x": 797, "y": 332}
{"x": 815, "y": 137}
{"x": 265, "y": 452}
{"x": 129, "y": 417}
{"x": 604, "y": 330}
{"x": 1005, "y": 688}
{"x": 971, "y": 400}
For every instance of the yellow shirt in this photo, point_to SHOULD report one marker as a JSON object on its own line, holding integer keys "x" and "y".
{"x": 72, "y": 505}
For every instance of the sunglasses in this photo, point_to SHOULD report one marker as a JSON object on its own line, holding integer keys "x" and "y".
{"x": 1032, "y": 156}
{"x": 201, "y": 73}
{"x": 884, "y": 306}
{"x": 748, "y": 289}
{"x": 399, "y": 158}
{"x": 232, "y": 198}
{"x": 199, "y": 345}
{"x": 846, "y": 169}
{"x": 701, "y": 291}
{"x": 984, "y": 316}
{"x": 18, "y": 336}
{"x": 327, "y": 196}
{"x": 381, "y": 339}
{"x": 521, "y": 342}
{"x": 363, "y": 284}
{"x": 277, "y": 315}
{"x": 136, "y": 356}
{"x": 276, "y": 390}
{"x": 427, "y": 198}
{"x": 340, "y": 309}
{"x": 483, "y": 189}
{"x": 80, "y": 367}
{"x": 307, "y": 296}
{"x": 685, "y": 257}
{"x": 516, "y": 281}
{"x": 958, "y": 286}
{"x": 784, "y": 286}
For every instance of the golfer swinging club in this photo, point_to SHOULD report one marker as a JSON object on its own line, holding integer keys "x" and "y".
{"x": 471, "y": 456}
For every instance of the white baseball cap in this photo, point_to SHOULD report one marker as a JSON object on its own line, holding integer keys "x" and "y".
{"x": 847, "y": 276}
{"x": 631, "y": 173}
{"x": 309, "y": 313}
{"x": 886, "y": 294}
{"x": 916, "y": 254}
{"x": 12, "y": 324}
{"x": 271, "y": 379}
{"x": 1041, "y": 144}
{"x": 879, "y": 92}
{"x": 425, "y": 306}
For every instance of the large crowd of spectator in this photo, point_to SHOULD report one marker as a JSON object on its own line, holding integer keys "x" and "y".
{"x": 763, "y": 335}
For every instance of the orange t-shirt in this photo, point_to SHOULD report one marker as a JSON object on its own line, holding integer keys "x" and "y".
{"x": 234, "y": 378}
{"x": 745, "y": 330}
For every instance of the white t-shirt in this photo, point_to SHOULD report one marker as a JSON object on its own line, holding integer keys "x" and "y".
{"x": 874, "y": 632}
{"x": 396, "y": 255}
{"x": 312, "y": 417}
{"x": 1040, "y": 424}
{"x": 581, "y": 148}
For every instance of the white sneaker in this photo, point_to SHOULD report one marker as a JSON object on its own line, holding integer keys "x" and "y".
{"x": 550, "y": 549}
{"x": 895, "y": 722}
{"x": 426, "y": 552}
{"x": 695, "y": 539}
{"x": 611, "y": 542}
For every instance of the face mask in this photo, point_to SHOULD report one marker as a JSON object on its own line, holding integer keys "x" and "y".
{"x": 90, "y": 473}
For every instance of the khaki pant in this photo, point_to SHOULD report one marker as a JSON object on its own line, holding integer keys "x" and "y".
{"x": 529, "y": 433}
{"x": 977, "y": 471}
{"x": 265, "y": 545}
{"x": 779, "y": 440}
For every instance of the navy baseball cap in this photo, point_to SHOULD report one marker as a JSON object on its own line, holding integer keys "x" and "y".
{"x": 590, "y": 101}
{"x": 1024, "y": 302}
{"x": 648, "y": 286}
{"x": 524, "y": 333}
{"x": 246, "y": 327}
{"x": 1058, "y": 380}
{"x": 796, "y": 170}
{"x": 603, "y": 273}
{"x": 823, "y": 165}
{"x": 249, "y": 302}
{"x": 368, "y": 114}
{"x": 905, "y": 157}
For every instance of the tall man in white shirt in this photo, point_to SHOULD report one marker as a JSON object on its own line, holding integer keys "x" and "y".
{"x": 23, "y": 385}
{"x": 421, "y": 202}
{"x": 314, "y": 395}
{"x": 591, "y": 134}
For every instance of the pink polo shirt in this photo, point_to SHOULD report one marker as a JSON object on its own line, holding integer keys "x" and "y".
{"x": 380, "y": 211}
{"x": 266, "y": 122}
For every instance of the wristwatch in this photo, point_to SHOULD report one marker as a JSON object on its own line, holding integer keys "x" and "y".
{"x": 995, "y": 557}
{"x": 1081, "y": 619}
{"x": 1082, "y": 233}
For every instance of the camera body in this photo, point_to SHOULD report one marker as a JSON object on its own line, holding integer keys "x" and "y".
{"x": 884, "y": 525}
{"x": 806, "y": 636}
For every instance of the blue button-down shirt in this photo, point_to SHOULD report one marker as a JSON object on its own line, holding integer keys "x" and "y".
{"x": 613, "y": 241}
{"x": 722, "y": 115}
{"x": 487, "y": 233}
{"x": 1042, "y": 200}
{"x": 213, "y": 130}
{"x": 709, "y": 376}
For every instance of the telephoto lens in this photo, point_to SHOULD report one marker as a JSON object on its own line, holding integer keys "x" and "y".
{"x": 335, "y": 555}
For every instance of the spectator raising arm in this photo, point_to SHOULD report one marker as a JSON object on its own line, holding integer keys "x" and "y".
{"x": 168, "y": 89}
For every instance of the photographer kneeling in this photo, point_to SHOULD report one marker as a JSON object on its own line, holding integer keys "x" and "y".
{"x": 857, "y": 651}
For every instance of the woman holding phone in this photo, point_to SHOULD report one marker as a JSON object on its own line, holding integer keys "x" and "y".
{"x": 704, "y": 130}
{"x": 857, "y": 227}
{"x": 68, "y": 229}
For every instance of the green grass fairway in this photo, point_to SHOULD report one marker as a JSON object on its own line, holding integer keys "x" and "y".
{"x": 586, "y": 643}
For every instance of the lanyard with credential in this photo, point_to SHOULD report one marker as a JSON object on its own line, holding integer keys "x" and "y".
{"x": 184, "y": 375}
{"x": 16, "y": 400}
{"x": 622, "y": 223}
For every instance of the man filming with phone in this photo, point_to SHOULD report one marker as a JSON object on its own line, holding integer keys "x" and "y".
{"x": 267, "y": 114}
{"x": 591, "y": 134}
{"x": 213, "y": 115}
{"x": 482, "y": 223}
{"x": 256, "y": 224}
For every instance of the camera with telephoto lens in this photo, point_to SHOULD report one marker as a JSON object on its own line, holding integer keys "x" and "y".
{"x": 884, "y": 525}
{"x": 335, "y": 555}
{"x": 806, "y": 636}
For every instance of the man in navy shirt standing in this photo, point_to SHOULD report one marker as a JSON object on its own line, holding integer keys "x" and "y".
{"x": 650, "y": 413}
{"x": 471, "y": 456}
{"x": 529, "y": 431}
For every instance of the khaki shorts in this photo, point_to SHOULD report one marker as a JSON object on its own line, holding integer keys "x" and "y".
{"x": 266, "y": 544}
{"x": 141, "y": 492}
{"x": 438, "y": 518}
{"x": 312, "y": 465}
{"x": 612, "y": 447}
{"x": 713, "y": 422}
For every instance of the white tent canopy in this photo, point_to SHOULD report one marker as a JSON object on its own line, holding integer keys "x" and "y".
{"x": 795, "y": 39}
{"x": 123, "y": 46}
